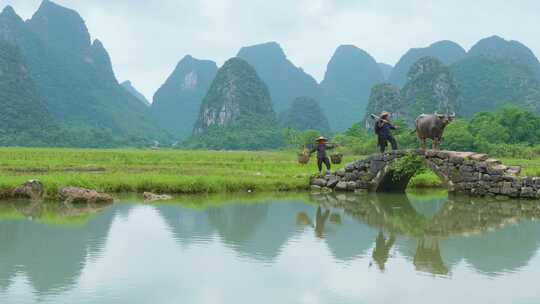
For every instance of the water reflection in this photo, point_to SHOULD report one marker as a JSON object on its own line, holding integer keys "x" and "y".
{"x": 320, "y": 221}
{"x": 494, "y": 237}
{"x": 49, "y": 244}
{"x": 428, "y": 257}
{"x": 382, "y": 248}
{"x": 61, "y": 250}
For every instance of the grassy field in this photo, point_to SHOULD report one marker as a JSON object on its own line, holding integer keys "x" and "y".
{"x": 530, "y": 167}
{"x": 172, "y": 171}
{"x": 167, "y": 171}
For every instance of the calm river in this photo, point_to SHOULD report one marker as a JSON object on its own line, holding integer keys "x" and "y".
{"x": 421, "y": 248}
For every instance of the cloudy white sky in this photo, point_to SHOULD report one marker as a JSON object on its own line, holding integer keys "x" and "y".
{"x": 147, "y": 38}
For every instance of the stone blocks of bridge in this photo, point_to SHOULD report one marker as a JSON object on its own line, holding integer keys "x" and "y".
{"x": 361, "y": 175}
{"x": 462, "y": 172}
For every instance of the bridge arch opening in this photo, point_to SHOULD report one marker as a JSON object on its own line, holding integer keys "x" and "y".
{"x": 398, "y": 177}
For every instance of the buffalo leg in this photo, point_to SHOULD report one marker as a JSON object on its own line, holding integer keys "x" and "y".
{"x": 435, "y": 144}
{"x": 423, "y": 143}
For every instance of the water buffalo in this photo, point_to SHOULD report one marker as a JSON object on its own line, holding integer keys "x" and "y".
{"x": 432, "y": 126}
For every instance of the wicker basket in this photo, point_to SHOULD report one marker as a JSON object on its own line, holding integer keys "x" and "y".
{"x": 336, "y": 158}
{"x": 303, "y": 158}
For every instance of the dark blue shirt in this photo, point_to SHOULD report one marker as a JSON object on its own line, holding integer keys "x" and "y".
{"x": 384, "y": 128}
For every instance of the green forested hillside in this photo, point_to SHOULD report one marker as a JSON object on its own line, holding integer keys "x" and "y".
{"x": 349, "y": 77}
{"x": 497, "y": 72}
{"x": 177, "y": 102}
{"x": 305, "y": 114}
{"x": 495, "y": 47}
{"x": 386, "y": 69}
{"x": 430, "y": 88}
{"x": 128, "y": 86}
{"x": 23, "y": 116}
{"x": 486, "y": 84}
{"x": 74, "y": 76}
{"x": 445, "y": 51}
{"x": 25, "y": 120}
{"x": 237, "y": 112}
{"x": 58, "y": 88}
{"x": 285, "y": 81}
{"x": 385, "y": 97}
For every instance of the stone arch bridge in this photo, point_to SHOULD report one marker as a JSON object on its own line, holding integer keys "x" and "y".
{"x": 461, "y": 172}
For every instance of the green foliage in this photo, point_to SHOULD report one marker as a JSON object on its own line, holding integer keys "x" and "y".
{"x": 295, "y": 139}
{"x": 510, "y": 131}
{"x": 405, "y": 137}
{"x": 255, "y": 135}
{"x": 510, "y": 150}
{"x": 406, "y": 166}
{"x": 250, "y": 132}
{"x": 356, "y": 130}
{"x": 492, "y": 133}
{"x": 457, "y": 137}
{"x": 522, "y": 126}
{"x": 357, "y": 140}
{"x": 426, "y": 179}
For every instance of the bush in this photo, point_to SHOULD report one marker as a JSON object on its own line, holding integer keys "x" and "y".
{"x": 298, "y": 139}
{"x": 457, "y": 137}
{"x": 409, "y": 165}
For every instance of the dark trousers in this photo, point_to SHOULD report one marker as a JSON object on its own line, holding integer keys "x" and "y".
{"x": 383, "y": 142}
{"x": 324, "y": 160}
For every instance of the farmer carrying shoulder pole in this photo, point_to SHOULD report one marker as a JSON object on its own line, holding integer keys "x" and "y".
{"x": 383, "y": 129}
{"x": 321, "y": 147}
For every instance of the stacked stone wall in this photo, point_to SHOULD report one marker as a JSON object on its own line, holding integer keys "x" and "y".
{"x": 462, "y": 172}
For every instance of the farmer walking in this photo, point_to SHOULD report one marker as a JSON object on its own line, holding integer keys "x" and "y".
{"x": 321, "y": 147}
{"x": 383, "y": 129}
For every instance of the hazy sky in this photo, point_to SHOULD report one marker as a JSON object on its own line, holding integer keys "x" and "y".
{"x": 146, "y": 38}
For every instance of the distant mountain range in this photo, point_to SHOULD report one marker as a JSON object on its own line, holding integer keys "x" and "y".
{"x": 285, "y": 81}
{"x": 305, "y": 114}
{"x": 23, "y": 111}
{"x": 447, "y": 52}
{"x": 386, "y": 69}
{"x": 128, "y": 86}
{"x": 497, "y": 72}
{"x": 73, "y": 76}
{"x": 430, "y": 88}
{"x": 349, "y": 77}
{"x": 65, "y": 85}
{"x": 237, "y": 111}
{"x": 177, "y": 102}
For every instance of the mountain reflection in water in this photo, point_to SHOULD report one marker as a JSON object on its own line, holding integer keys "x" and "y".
{"x": 236, "y": 251}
